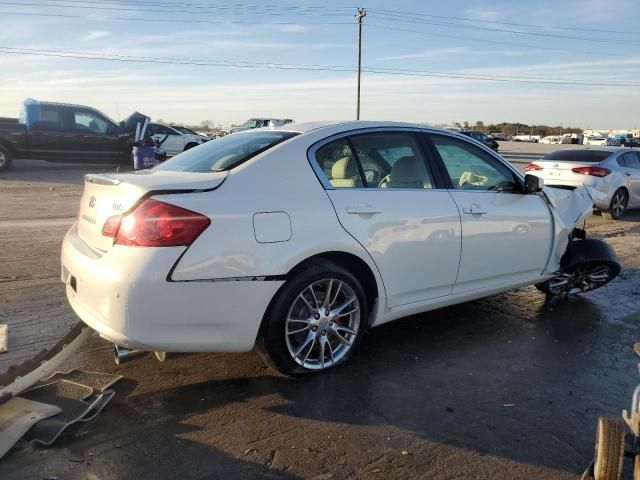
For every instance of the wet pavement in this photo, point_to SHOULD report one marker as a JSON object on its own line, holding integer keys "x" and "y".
{"x": 505, "y": 387}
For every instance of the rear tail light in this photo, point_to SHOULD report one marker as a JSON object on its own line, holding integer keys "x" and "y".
{"x": 156, "y": 224}
{"x": 532, "y": 167}
{"x": 110, "y": 227}
{"x": 595, "y": 171}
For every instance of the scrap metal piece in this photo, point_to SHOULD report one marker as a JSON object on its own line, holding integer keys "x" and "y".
{"x": 20, "y": 377}
{"x": 96, "y": 380}
{"x": 70, "y": 398}
{"x": 17, "y": 416}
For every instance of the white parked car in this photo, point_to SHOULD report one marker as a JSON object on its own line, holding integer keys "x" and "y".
{"x": 596, "y": 141}
{"x": 613, "y": 175}
{"x": 175, "y": 139}
{"x": 300, "y": 238}
{"x": 259, "y": 123}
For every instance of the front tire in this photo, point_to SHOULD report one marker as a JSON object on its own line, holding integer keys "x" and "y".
{"x": 585, "y": 266}
{"x": 5, "y": 159}
{"x": 315, "y": 321}
{"x": 617, "y": 206}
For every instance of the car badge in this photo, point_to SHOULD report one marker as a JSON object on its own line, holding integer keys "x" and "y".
{"x": 92, "y": 202}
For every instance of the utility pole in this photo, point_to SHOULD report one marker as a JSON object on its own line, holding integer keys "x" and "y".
{"x": 361, "y": 14}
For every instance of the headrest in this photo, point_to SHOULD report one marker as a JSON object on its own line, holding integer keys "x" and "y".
{"x": 406, "y": 169}
{"x": 344, "y": 168}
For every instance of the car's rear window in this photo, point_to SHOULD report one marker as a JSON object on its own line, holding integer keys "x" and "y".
{"x": 225, "y": 153}
{"x": 578, "y": 155}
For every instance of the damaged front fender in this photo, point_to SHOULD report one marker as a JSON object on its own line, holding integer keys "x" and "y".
{"x": 569, "y": 208}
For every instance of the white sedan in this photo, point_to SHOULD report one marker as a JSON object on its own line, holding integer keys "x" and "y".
{"x": 300, "y": 238}
{"x": 613, "y": 174}
{"x": 175, "y": 139}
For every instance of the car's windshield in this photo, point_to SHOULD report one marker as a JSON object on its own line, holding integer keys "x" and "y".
{"x": 251, "y": 123}
{"x": 225, "y": 153}
{"x": 578, "y": 155}
{"x": 185, "y": 130}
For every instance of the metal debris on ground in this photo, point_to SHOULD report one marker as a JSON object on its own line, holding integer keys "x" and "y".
{"x": 80, "y": 395}
{"x": 17, "y": 416}
{"x": 62, "y": 400}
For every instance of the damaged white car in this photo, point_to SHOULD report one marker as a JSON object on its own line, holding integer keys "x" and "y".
{"x": 301, "y": 237}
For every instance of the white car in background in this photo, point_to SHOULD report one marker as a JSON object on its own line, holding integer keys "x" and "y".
{"x": 596, "y": 141}
{"x": 302, "y": 237}
{"x": 259, "y": 123}
{"x": 612, "y": 174}
{"x": 175, "y": 139}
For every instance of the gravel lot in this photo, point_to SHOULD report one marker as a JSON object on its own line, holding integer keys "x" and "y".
{"x": 506, "y": 387}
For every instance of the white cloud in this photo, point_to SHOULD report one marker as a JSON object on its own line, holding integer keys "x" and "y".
{"x": 95, "y": 35}
{"x": 424, "y": 54}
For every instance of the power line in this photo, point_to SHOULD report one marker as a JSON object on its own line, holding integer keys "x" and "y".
{"x": 207, "y": 5}
{"x": 165, "y": 20}
{"x": 466, "y": 19}
{"x": 498, "y": 42}
{"x": 307, "y": 67}
{"x": 514, "y": 32}
{"x": 72, "y": 4}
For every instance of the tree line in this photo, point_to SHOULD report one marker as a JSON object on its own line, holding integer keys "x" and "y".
{"x": 508, "y": 128}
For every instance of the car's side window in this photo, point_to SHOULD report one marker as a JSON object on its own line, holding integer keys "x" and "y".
{"x": 339, "y": 164}
{"x": 470, "y": 168}
{"x": 392, "y": 160}
{"x": 50, "y": 118}
{"x": 622, "y": 160}
{"x": 632, "y": 160}
{"x": 90, "y": 122}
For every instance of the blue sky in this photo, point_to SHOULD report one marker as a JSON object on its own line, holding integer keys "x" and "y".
{"x": 295, "y": 33}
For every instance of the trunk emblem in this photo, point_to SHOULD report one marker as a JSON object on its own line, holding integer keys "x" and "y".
{"x": 92, "y": 202}
{"x": 555, "y": 165}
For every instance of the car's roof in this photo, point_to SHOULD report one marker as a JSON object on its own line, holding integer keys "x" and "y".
{"x": 346, "y": 125}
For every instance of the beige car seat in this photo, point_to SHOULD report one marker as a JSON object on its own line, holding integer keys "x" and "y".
{"x": 407, "y": 172}
{"x": 344, "y": 173}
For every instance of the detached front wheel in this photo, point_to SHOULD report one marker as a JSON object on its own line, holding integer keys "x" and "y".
{"x": 609, "y": 449}
{"x": 585, "y": 266}
{"x": 316, "y": 320}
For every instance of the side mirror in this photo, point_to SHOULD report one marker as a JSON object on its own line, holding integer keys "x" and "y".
{"x": 532, "y": 184}
{"x": 122, "y": 124}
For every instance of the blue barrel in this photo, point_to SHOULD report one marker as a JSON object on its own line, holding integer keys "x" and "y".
{"x": 144, "y": 157}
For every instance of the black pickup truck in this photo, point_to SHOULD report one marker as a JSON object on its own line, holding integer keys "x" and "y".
{"x": 66, "y": 133}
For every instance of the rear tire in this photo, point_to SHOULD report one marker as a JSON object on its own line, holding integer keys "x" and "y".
{"x": 294, "y": 319}
{"x": 585, "y": 266}
{"x": 5, "y": 159}
{"x": 609, "y": 449}
{"x": 617, "y": 206}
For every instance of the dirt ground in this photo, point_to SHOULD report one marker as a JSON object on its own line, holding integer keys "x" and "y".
{"x": 507, "y": 387}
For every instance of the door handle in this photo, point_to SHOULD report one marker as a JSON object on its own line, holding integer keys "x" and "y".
{"x": 628, "y": 174}
{"x": 474, "y": 210}
{"x": 363, "y": 210}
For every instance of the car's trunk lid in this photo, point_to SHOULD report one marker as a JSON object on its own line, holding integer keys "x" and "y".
{"x": 557, "y": 170}
{"x": 106, "y": 195}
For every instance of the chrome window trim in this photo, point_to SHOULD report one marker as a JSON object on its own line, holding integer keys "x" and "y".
{"x": 311, "y": 155}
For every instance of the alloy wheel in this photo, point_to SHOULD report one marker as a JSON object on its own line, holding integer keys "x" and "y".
{"x": 581, "y": 280}
{"x": 618, "y": 204}
{"x": 3, "y": 159}
{"x": 322, "y": 324}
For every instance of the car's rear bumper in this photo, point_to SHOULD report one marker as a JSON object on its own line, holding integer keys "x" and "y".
{"x": 124, "y": 295}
